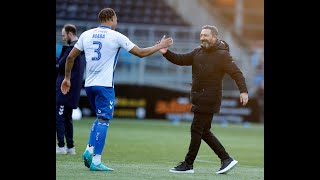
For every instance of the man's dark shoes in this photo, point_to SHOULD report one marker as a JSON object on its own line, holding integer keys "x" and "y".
{"x": 227, "y": 165}
{"x": 182, "y": 167}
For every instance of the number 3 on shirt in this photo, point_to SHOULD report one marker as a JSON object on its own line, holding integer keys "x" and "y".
{"x": 97, "y": 51}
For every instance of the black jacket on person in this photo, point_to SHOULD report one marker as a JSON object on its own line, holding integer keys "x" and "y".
{"x": 208, "y": 69}
{"x": 71, "y": 99}
{"x": 57, "y": 67}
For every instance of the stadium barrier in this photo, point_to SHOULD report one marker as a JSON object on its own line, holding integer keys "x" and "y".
{"x": 148, "y": 102}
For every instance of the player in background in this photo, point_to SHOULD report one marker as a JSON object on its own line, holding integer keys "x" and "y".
{"x": 66, "y": 103}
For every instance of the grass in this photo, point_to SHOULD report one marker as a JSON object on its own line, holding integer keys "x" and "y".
{"x": 147, "y": 149}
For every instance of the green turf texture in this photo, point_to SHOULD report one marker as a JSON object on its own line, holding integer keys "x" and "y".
{"x": 147, "y": 149}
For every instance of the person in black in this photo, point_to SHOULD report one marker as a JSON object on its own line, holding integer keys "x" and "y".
{"x": 210, "y": 62}
{"x": 66, "y": 103}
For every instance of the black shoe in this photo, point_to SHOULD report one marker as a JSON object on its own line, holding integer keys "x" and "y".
{"x": 227, "y": 165}
{"x": 182, "y": 167}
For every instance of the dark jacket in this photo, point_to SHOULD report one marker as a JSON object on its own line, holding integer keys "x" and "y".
{"x": 71, "y": 99}
{"x": 208, "y": 69}
{"x": 57, "y": 67}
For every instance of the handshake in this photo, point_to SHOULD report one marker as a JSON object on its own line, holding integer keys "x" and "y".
{"x": 164, "y": 43}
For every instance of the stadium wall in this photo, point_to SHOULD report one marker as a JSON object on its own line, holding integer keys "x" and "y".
{"x": 149, "y": 102}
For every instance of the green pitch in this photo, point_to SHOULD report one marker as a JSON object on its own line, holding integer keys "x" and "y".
{"x": 147, "y": 149}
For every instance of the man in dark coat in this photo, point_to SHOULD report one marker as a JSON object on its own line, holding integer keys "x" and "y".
{"x": 66, "y": 103}
{"x": 210, "y": 62}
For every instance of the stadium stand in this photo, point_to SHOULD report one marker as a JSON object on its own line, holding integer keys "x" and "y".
{"x": 246, "y": 17}
{"x": 141, "y": 11}
{"x": 144, "y": 22}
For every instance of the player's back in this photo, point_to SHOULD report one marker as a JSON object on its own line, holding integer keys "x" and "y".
{"x": 101, "y": 47}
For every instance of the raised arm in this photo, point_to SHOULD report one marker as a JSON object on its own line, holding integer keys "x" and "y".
{"x": 143, "y": 52}
{"x": 184, "y": 59}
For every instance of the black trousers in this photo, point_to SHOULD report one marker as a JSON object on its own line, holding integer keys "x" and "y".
{"x": 64, "y": 126}
{"x": 200, "y": 129}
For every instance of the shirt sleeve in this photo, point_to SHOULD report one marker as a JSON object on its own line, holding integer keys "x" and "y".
{"x": 79, "y": 44}
{"x": 125, "y": 42}
{"x": 231, "y": 68}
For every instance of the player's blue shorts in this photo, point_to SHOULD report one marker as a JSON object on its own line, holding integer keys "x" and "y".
{"x": 101, "y": 100}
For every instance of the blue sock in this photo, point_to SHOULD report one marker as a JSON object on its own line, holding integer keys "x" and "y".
{"x": 93, "y": 132}
{"x": 100, "y": 138}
